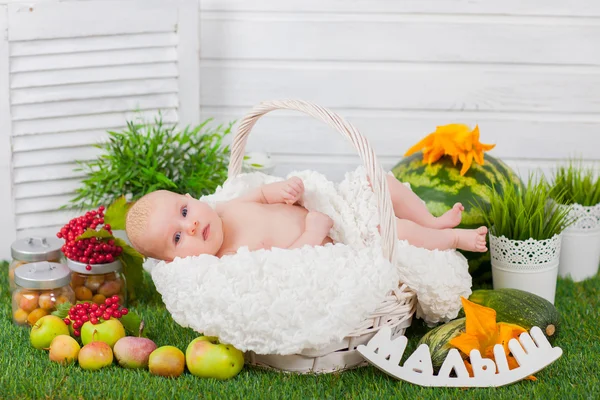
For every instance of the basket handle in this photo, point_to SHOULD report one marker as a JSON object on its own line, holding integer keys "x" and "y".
{"x": 367, "y": 155}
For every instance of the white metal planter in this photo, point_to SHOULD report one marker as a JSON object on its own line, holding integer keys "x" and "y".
{"x": 580, "y": 250}
{"x": 530, "y": 265}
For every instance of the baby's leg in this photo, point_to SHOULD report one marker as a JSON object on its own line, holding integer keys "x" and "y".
{"x": 441, "y": 239}
{"x": 407, "y": 205}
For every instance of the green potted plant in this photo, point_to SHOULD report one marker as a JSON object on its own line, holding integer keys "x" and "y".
{"x": 145, "y": 157}
{"x": 580, "y": 251}
{"x": 525, "y": 237}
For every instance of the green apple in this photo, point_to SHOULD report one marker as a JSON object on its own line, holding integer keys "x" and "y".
{"x": 207, "y": 358}
{"x": 45, "y": 330}
{"x": 95, "y": 355}
{"x": 108, "y": 332}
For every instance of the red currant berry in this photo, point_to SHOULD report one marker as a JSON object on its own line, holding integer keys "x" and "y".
{"x": 94, "y": 307}
{"x": 98, "y": 313}
{"x": 107, "y": 227}
{"x": 102, "y": 307}
{"x": 108, "y": 301}
{"x": 124, "y": 311}
{"x": 117, "y": 314}
{"x": 109, "y": 258}
{"x": 101, "y": 208}
{"x": 114, "y": 306}
{"x": 94, "y": 320}
{"x": 67, "y": 321}
{"x": 115, "y": 299}
{"x": 76, "y": 325}
{"x": 106, "y": 316}
{"x": 76, "y": 333}
{"x": 88, "y": 267}
{"x": 78, "y": 306}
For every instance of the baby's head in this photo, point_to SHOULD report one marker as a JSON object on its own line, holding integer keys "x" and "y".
{"x": 165, "y": 225}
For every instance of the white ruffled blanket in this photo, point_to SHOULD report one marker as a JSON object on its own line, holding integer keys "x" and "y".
{"x": 284, "y": 301}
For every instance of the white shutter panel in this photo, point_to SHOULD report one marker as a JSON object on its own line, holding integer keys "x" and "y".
{"x": 75, "y": 70}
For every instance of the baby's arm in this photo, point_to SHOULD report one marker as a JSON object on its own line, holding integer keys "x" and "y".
{"x": 316, "y": 229}
{"x": 288, "y": 191}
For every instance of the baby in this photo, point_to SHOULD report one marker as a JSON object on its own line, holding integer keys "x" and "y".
{"x": 165, "y": 225}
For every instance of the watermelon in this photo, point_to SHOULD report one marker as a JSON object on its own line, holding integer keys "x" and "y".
{"x": 440, "y": 185}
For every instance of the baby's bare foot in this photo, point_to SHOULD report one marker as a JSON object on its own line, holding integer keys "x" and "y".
{"x": 451, "y": 218}
{"x": 471, "y": 239}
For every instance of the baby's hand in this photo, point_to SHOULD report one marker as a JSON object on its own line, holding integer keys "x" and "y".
{"x": 292, "y": 190}
{"x": 318, "y": 223}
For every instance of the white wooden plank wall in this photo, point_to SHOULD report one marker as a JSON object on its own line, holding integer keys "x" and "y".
{"x": 78, "y": 69}
{"x": 526, "y": 72}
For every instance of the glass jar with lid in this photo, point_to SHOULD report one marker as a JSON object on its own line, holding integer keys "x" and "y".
{"x": 33, "y": 249}
{"x": 39, "y": 288}
{"x": 97, "y": 282}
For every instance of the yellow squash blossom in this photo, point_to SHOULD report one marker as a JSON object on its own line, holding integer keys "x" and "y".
{"x": 483, "y": 333}
{"x": 455, "y": 140}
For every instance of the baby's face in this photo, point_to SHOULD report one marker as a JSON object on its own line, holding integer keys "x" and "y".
{"x": 182, "y": 226}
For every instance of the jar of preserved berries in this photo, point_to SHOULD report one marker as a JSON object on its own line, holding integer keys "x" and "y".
{"x": 39, "y": 288}
{"x": 96, "y": 282}
{"x": 33, "y": 249}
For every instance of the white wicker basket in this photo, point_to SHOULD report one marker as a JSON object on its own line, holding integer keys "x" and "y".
{"x": 398, "y": 307}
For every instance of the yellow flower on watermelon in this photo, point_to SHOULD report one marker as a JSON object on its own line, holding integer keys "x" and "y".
{"x": 483, "y": 333}
{"x": 455, "y": 140}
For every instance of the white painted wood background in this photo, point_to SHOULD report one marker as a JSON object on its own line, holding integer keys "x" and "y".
{"x": 527, "y": 72}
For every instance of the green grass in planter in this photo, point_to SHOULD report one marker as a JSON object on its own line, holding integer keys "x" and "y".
{"x": 578, "y": 184}
{"x": 148, "y": 156}
{"x": 520, "y": 214}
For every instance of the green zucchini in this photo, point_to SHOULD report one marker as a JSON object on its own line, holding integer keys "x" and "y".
{"x": 520, "y": 308}
{"x": 438, "y": 339}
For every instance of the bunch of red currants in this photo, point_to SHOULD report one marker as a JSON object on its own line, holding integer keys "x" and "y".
{"x": 81, "y": 313}
{"x": 91, "y": 250}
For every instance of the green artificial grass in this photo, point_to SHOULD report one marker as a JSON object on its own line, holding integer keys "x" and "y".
{"x": 27, "y": 373}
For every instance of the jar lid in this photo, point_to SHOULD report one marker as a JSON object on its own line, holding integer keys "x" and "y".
{"x": 43, "y": 275}
{"x": 79, "y": 267}
{"x": 36, "y": 249}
